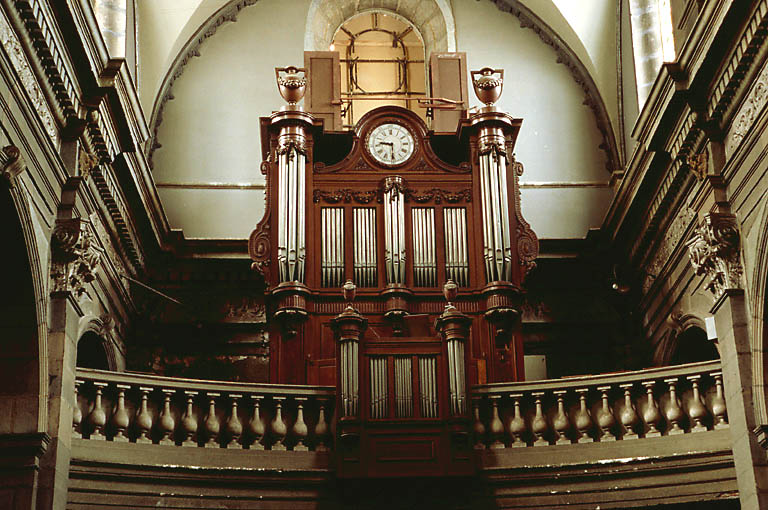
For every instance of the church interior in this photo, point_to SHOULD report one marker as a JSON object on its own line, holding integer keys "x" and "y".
{"x": 353, "y": 254}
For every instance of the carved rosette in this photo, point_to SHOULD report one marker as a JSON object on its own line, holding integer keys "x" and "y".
{"x": 714, "y": 252}
{"x": 75, "y": 256}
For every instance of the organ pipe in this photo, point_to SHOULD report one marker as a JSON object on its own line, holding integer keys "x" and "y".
{"x": 291, "y": 160}
{"x": 394, "y": 229}
{"x": 497, "y": 246}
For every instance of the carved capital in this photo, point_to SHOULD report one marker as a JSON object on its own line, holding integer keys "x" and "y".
{"x": 714, "y": 252}
{"x": 74, "y": 256}
{"x": 11, "y": 163}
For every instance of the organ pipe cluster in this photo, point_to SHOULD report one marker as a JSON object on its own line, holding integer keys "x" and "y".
{"x": 497, "y": 245}
{"x": 394, "y": 229}
{"x": 291, "y": 244}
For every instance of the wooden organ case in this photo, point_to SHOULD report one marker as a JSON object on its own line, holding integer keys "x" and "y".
{"x": 399, "y": 231}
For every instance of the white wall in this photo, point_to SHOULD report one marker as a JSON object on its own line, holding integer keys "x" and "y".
{"x": 209, "y": 132}
{"x": 559, "y": 141}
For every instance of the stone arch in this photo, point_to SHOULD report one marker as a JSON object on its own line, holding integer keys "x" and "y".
{"x": 692, "y": 345}
{"x": 95, "y": 344}
{"x": 758, "y": 311}
{"x": 433, "y": 19}
{"x": 24, "y": 343}
{"x": 681, "y": 329}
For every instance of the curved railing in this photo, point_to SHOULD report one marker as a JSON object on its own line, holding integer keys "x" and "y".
{"x": 600, "y": 408}
{"x": 149, "y": 409}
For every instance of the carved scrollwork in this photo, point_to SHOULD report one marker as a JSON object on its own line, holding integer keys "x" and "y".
{"x": 435, "y": 195}
{"x": 11, "y": 163}
{"x": 527, "y": 241}
{"x": 86, "y": 163}
{"x": 714, "y": 252}
{"x": 698, "y": 163}
{"x": 259, "y": 247}
{"x": 75, "y": 256}
{"x": 439, "y": 196}
{"x": 345, "y": 195}
{"x": 291, "y": 146}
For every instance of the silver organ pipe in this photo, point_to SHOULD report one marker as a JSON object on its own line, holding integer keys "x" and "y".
{"x": 349, "y": 377}
{"x": 394, "y": 229}
{"x": 497, "y": 248}
{"x": 291, "y": 249}
{"x": 457, "y": 378}
{"x": 332, "y": 252}
{"x": 428, "y": 386}
{"x": 364, "y": 249}
{"x": 403, "y": 387}
{"x": 378, "y": 403}
{"x": 456, "y": 260}
{"x": 424, "y": 255}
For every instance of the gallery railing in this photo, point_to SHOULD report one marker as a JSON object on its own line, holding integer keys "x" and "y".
{"x": 149, "y": 409}
{"x": 599, "y": 408}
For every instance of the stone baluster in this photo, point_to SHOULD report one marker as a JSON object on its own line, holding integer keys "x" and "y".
{"x": 278, "y": 429}
{"x": 673, "y": 412}
{"x": 628, "y": 415}
{"x": 234, "y": 427}
{"x": 98, "y": 418}
{"x": 539, "y": 424}
{"x": 605, "y": 419}
{"x": 516, "y": 424}
{"x": 651, "y": 415}
{"x": 120, "y": 420}
{"x": 583, "y": 417}
{"x": 143, "y": 421}
{"x": 211, "y": 423}
{"x": 696, "y": 409}
{"x": 167, "y": 422}
{"x": 321, "y": 428}
{"x": 77, "y": 413}
{"x": 299, "y": 430}
{"x": 477, "y": 427}
{"x": 561, "y": 423}
{"x": 189, "y": 422}
{"x": 496, "y": 427}
{"x": 256, "y": 426}
{"x": 718, "y": 402}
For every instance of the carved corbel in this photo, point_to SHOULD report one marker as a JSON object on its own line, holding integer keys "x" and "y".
{"x": 714, "y": 252}
{"x": 74, "y": 256}
{"x": 11, "y": 163}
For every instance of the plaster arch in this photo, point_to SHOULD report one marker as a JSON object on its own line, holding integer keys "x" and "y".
{"x": 433, "y": 19}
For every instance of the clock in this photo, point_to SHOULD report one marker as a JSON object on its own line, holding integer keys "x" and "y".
{"x": 390, "y": 144}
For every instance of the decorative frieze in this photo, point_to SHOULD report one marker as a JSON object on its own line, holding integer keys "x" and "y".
{"x": 752, "y": 106}
{"x": 667, "y": 245}
{"x": 347, "y": 195}
{"x": 75, "y": 257}
{"x": 714, "y": 251}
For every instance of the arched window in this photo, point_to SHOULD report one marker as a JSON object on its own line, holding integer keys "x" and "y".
{"x": 693, "y": 345}
{"x": 382, "y": 63}
{"x": 92, "y": 352}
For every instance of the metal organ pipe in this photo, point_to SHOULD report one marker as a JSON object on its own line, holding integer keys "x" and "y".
{"x": 291, "y": 249}
{"x": 497, "y": 248}
{"x": 394, "y": 229}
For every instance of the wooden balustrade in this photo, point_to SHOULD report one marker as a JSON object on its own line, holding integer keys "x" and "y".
{"x": 141, "y": 408}
{"x": 631, "y": 405}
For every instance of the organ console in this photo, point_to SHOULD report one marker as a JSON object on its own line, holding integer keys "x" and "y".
{"x": 423, "y": 232}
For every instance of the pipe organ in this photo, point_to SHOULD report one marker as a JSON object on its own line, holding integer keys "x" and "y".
{"x": 402, "y": 219}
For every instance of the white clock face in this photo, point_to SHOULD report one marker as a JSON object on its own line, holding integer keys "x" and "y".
{"x": 391, "y": 144}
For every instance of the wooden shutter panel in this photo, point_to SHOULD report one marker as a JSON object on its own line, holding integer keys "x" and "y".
{"x": 448, "y": 76}
{"x": 323, "y": 96}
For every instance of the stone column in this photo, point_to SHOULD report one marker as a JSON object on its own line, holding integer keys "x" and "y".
{"x": 714, "y": 252}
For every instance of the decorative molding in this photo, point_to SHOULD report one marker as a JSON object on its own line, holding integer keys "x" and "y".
{"x": 737, "y": 67}
{"x": 227, "y": 14}
{"x": 347, "y": 195}
{"x": 715, "y": 253}
{"x": 582, "y": 77}
{"x": 669, "y": 242}
{"x": 248, "y": 310}
{"x": 699, "y": 163}
{"x": 750, "y": 109}
{"x": 74, "y": 256}
{"x": 86, "y": 163}
{"x": 15, "y": 53}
